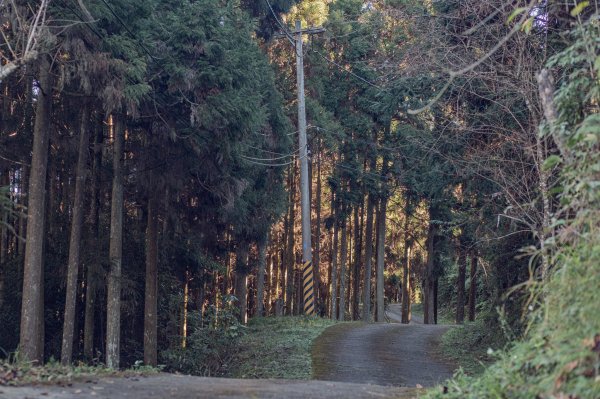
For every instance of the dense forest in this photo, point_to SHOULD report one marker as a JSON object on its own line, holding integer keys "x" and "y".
{"x": 150, "y": 173}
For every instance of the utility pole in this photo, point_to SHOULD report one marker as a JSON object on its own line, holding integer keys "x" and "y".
{"x": 307, "y": 266}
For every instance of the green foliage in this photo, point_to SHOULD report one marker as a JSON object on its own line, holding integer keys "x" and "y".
{"x": 211, "y": 346}
{"x": 278, "y": 347}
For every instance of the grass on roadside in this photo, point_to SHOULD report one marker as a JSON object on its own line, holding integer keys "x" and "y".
{"x": 278, "y": 347}
{"x": 16, "y": 373}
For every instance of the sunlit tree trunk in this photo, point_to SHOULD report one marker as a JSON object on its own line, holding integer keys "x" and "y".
{"x": 289, "y": 275}
{"x": 151, "y": 291}
{"x": 473, "y": 288}
{"x": 333, "y": 301}
{"x": 31, "y": 344}
{"x": 406, "y": 288}
{"x": 75, "y": 240}
{"x": 94, "y": 265}
{"x": 115, "y": 252}
{"x": 357, "y": 263}
{"x": 317, "y": 240}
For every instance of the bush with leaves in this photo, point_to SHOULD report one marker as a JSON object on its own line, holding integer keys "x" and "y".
{"x": 210, "y": 347}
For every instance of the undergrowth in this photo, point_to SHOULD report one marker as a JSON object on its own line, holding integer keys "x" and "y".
{"x": 278, "y": 347}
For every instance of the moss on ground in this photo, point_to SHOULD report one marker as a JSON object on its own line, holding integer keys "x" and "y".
{"x": 278, "y": 347}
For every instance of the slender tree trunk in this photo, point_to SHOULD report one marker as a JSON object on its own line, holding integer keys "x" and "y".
{"x": 151, "y": 291}
{"x": 473, "y": 288}
{"x": 334, "y": 274}
{"x": 357, "y": 269}
{"x": 241, "y": 279}
{"x": 317, "y": 240}
{"x": 289, "y": 286}
{"x": 75, "y": 240}
{"x": 31, "y": 345}
{"x": 260, "y": 283}
{"x": 381, "y": 259}
{"x": 460, "y": 288}
{"x": 94, "y": 266}
{"x": 343, "y": 267}
{"x": 368, "y": 260}
{"x": 406, "y": 287}
{"x": 428, "y": 295}
{"x": 115, "y": 252}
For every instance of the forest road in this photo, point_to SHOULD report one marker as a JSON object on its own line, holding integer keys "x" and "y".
{"x": 382, "y": 353}
{"x": 171, "y": 386}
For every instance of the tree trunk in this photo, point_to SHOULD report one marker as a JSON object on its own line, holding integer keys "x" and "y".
{"x": 151, "y": 291}
{"x": 381, "y": 259}
{"x": 289, "y": 275}
{"x": 241, "y": 277}
{"x": 406, "y": 288}
{"x": 75, "y": 240}
{"x": 357, "y": 265}
{"x": 460, "y": 289}
{"x": 333, "y": 301}
{"x": 428, "y": 297}
{"x": 343, "y": 260}
{"x": 473, "y": 288}
{"x": 260, "y": 283}
{"x": 319, "y": 297}
{"x": 94, "y": 266}
{"x": 31, "y": 343}
{"x": 368, "y": 260}
{"x": 115, "y": 252}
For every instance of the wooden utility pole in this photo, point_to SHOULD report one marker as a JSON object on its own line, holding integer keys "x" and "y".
{"x": 307, "y": 272}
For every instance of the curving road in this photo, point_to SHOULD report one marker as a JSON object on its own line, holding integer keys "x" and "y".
{"x": 382, "y": 353}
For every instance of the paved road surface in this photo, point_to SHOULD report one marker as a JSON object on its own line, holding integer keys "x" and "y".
{"x": 382, "y": 353}
{"x": 169, "y": 386}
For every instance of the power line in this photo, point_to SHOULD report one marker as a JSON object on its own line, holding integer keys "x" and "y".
{"x": 283, "y": 28}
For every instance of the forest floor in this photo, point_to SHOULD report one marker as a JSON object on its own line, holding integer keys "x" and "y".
{"x": 349, "y": 360}
{"x": 383, "y": 353}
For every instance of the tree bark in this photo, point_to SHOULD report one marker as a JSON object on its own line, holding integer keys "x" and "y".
{"x": 343, "y": 260}
{"x": 381, "y": 259}
{"x": 289, "y": 275}
{"x": 368, "y": 260}
{"x": 151, "y": 291}
{"x": 473, "y": 288}
{"x": 319, "y": 297}
{"x": 428, "y": 295}
{"x": 241, "y": 277}
{"x": 115, "y": 252}
{"x": 31, "y": 345}
{"x": 75, "y": 240}
{"x": 333, "y": 302}
{"x": 357, "y": 277}
{"x": 460, "y": 289}
{"x": 260, "y": 283}
{"x": 94, "y": 266}
{"x": 406, "y": 288}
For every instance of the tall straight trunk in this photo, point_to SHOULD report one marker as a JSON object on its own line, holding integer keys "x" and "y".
{"x": 289, "y": 275}
{"x": 368, "y": 260}
{"x": 260, "y": 283}
{"x": 94, "y": 266}
{"x": 3, "y": 240}
{"x": 23, "y": 219}
{"x": 75, "y": 240}
{"x": 406, "y": 288}
{"x": 473, "y": 288}
{"x": 151, "y": 291}
{"x": 333, "y": 301}
{"x": 241, "y": 278}
{"x": 115, "y": 251}
{"x": 381, "y": 259}
{"x": 357, "y": 263}
{"x": 343, "y": 268}
{"x": 460, "y": 286}
{"x": 428, "y": 295}
{"x": 317, "y": 240}
{"x": 31, "y": 345}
